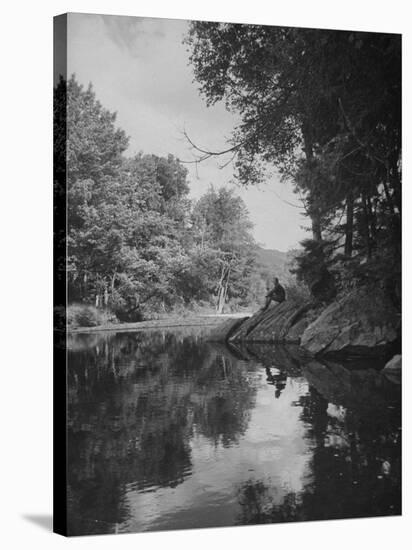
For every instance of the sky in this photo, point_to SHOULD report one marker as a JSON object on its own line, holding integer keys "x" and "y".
{"x": 139, "y": 68}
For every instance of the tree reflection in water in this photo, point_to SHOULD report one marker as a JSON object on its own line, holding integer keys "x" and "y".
{"x": 146, "y": 411}
{"x": 353, "y": 421}
{"x": 135, "y": 402}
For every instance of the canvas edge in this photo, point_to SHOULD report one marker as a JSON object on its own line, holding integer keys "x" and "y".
{"x": 59, "y": 287}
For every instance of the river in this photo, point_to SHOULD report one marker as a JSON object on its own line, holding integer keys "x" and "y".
{"x": 169, "y": 431}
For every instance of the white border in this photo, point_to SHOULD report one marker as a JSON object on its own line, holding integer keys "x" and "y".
{"x": 26, "y": 268}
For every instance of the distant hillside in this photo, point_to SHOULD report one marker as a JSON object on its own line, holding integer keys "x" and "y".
{"x": 272, "y": 263}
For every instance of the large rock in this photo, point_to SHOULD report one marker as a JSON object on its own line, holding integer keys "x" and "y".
{"x": 283, "y": 322}
{"x": 393, "y": 369}
{"x": 363, "y": 322}
{"x": 394, "y": 365}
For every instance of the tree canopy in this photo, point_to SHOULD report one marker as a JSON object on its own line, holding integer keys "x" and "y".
{"x": 324, "y": 108}
{"x": 135, "y": 239}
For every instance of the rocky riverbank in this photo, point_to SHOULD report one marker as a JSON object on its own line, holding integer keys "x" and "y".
{"x": 362, "y": 323}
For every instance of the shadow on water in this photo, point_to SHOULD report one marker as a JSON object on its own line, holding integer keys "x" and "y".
{"x": 168, "y": 431}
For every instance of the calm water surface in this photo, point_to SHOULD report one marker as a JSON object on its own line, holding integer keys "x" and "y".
{"x": 168, "y": 431}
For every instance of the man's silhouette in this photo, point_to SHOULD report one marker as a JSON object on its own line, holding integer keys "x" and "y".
{"x": 277, "y": 294}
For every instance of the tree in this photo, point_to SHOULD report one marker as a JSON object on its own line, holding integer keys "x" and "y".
{"x": 255, "y": 70}
{"x": 223, "y": 229}
{"x": 94, "y": 144}
{"x": 127, "y": 217}
{"x": 324, "y": 108}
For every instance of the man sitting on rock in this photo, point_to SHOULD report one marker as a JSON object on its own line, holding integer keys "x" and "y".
{"x": 277, "y": 294}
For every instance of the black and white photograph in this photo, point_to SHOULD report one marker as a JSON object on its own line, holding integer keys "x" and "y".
{"x": 230, "y": 249}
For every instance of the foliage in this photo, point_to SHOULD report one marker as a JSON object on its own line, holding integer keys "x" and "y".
{"x": 221, "y": 221}
{"x": 83, "y": 315}
{"x": 297, "y": 292}
{"x": 324, "y": 107}
{"x": 136, "y": 243}
{"x": 311, "y": 269}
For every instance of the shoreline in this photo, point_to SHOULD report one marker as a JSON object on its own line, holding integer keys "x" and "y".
{"x": 206, "y": 320}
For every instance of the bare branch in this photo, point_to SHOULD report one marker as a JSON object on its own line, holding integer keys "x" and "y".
{"x": 232, "y": 158}
{"x": 287, "y": 202}
{"x": 206, "y": 153}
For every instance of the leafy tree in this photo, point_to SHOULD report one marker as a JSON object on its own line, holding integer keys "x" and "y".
{"x": 324, "y": 108}
{"x": 94, "y": 144}
{"x": 134, "y": 240}
{"x": 222, "y": 225}
{"x": 126, "y": 216}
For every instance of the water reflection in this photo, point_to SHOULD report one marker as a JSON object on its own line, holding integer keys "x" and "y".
{"x": 169, "y": 431}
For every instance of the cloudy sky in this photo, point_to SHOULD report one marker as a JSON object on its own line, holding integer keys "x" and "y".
{"x": 139, "y": 68}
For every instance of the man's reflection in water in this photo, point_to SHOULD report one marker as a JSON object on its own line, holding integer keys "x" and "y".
{"x": 278, "y": 380}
